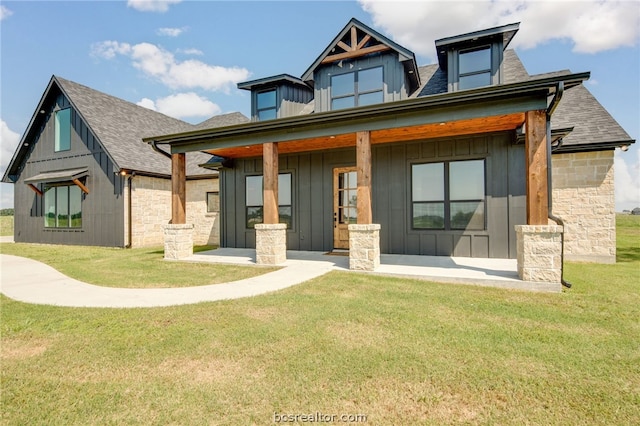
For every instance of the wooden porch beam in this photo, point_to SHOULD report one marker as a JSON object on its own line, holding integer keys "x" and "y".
{"x": 536, "y": 167}
{"x": 363, "y": 164}
{"x": 270, "y": 176}
{"x": 178, "y": 189}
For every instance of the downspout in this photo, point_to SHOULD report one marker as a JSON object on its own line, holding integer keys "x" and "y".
{"x": 155, "y": 147}
{"x": 130, "y": 208}
{"x": 552, "y": 107}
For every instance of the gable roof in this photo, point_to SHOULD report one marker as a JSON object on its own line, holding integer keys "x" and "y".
{"x": 371, "y": 42}
{"x": 119, "y": 126}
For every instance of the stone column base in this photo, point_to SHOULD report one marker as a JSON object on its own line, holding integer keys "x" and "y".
{"x": 178, "y": 241}
{"x": 539, "y": 252}
{"x": 271, "y": 244}
{"x": 364, "y": 247}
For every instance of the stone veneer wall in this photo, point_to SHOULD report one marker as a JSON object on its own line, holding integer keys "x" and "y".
{"x": 584, "y": 197}
{"x": 151, "y": 211}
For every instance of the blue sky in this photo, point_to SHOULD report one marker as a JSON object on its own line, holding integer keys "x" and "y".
{"x": 185, "y": 58}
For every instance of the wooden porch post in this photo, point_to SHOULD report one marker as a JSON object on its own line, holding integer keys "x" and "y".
{"x": 536, "y": 167}
{"x": 270, "y": 176}
{"x": 363, "y": 163}
{"x": 178, "y": 189}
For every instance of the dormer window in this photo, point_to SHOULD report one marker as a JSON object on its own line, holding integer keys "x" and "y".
{"x": 474, "y": 68}
{"x": 474, "y": 59}
{"x": 266, "y": 108}
{"x": 357, "y": 88}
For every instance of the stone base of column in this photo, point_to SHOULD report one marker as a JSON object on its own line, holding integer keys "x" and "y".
{"x": 539, "y": 252}
{"x": 178, "y": 241}
{"x": 364, "y": 247}
{"x": 271, "y": 244}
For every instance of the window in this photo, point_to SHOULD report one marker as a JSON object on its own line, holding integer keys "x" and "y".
{"x": 266, "y": 105}
{"x": 255, "y": 203}
{"x": 448, "y": 195}
{"x": 63, "y": 130}
{"x": 474, "y": 68}
{"x": 63, "y": 207}
{"x": 213, "y": 202}
{"x": 358, "y": 88}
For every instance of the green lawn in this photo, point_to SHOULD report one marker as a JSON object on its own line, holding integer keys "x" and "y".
{"x": 6, "y": 226}
{"x": 398, "y": 351}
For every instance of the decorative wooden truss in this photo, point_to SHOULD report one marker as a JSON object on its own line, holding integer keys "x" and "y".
{"x": 354, "y": 44}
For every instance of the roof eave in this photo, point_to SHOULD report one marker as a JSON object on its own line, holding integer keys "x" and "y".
{"x": 289, "y": 124}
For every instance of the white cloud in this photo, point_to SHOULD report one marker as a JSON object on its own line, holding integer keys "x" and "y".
{"x": 627, "y": 179}
{"x": 191, "y": 51}
{"x": 4, "y": 12}
{"x": 8, "y": 142}
{"x": 591, "y": 25}
{"x": 151, "y": 5}
{"x": 182, "y": 105}
{"x": 158, "y": 63}
{"x": 170, "y": 32}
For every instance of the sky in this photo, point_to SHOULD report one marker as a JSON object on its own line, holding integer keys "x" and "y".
{"x": 185, "y": 58}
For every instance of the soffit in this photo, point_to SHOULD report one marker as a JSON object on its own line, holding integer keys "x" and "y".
{"x": 463, "y": 127}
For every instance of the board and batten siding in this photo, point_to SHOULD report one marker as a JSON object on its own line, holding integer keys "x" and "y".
{"x": 312, "y": 193}
{"x": 102, "y": 209}
{"x": 393, "y": 74}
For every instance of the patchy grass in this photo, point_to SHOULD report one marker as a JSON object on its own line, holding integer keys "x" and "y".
{"x": 398, "y": 351}
{"x": 130, "y": 268}
{"x": 6, "y": 226}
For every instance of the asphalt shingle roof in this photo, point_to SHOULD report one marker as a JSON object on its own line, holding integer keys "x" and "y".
{"x": 120, "y": 126}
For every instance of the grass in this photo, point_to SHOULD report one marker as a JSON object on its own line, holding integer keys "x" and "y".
{"x": 131, "y": 268}
{"x": 6, "y": 226}
{"x": 398, "y": 351}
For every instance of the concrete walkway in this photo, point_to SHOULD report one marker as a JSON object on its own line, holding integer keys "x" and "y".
{"x": 30, "y": 281}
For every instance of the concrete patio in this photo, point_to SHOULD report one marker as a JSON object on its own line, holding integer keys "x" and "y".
{"x": 501, "y": 273}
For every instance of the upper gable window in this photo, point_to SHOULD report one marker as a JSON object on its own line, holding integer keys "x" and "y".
{"x": 474, "y": 68}
{"x": 358, "y": 88}
{"x": 266, "y": 108}
{"x": 63, "y": 130}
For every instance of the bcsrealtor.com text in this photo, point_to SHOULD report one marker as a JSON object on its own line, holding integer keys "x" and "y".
{"x": 318, "y": 417}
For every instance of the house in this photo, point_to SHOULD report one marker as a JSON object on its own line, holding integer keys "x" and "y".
{"x": 82, "y": 175}
{"x": 368, "y": 152}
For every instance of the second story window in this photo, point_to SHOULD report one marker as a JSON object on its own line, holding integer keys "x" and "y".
{"x": 63, "y": 130}
{"x": 474, "y": 68}
{"x": 266, "y": 105}
{"x": 358, "y": 88}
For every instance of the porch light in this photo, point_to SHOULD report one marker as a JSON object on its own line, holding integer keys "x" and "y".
{"x": 624, "y": 148}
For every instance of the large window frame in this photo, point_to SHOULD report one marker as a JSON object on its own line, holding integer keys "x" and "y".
{"x": 357, "y": 88}
{"x": 267, "y": 104}
{"x": 63, "y": 206}
{"x": 254, "y": 202}
{"x": 62, "y": 130}
{"x": 445, "y": 197}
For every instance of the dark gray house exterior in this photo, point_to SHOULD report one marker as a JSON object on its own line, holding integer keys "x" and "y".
{"x": 81, "y": 169}
{"x": 446, "y": 159}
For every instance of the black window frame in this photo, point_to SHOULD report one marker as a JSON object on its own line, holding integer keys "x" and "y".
{"x": 58, "y": 141}
{"x": 212, "y": 193}
{"x": 258, "y": 208}
{"x": 56, "y": 188}
{"x": 490, "y": 70}
{"x": 273, "y": 108}
{"x": 447, "y": 200}
{"x": 356, "y": 93}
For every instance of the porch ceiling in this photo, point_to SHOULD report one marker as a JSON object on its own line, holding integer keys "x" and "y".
{"x": 400, "y": 134}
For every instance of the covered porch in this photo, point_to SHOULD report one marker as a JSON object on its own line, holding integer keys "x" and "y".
{"x": 516, "y": 107}
{"x": 498, "y": 273}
